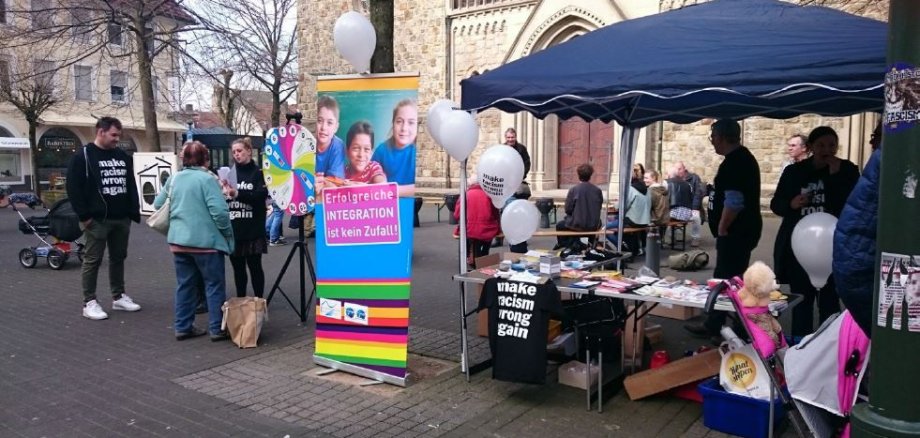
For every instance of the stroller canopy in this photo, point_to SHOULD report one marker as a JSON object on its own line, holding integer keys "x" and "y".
{"x": 63, "y": 221}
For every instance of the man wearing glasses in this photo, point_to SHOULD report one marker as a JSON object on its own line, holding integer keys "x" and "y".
{"x": 734, "y": 212}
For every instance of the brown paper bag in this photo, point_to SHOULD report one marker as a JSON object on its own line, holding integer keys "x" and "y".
{"x": 243, "y": 318}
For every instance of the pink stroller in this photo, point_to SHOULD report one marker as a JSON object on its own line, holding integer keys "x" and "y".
{"x": 768, "y": 350}
{"x": 824, "y": 371}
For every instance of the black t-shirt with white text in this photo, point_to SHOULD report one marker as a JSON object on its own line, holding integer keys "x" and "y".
{"x": 113, "y": 167}
{"x": 518, "y": 319}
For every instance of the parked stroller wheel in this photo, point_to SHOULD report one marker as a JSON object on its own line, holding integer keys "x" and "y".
{"x": 56, "y": 259}
{"x": 27, "y": 258}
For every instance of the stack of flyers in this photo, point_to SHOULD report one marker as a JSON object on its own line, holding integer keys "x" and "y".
{"x": 619, "y": 285}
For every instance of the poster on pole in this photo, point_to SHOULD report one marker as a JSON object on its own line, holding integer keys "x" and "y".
{"x": 366, "y": 127}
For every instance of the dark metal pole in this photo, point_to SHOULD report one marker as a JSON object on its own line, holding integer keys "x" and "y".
{"x": 894, "y": 404}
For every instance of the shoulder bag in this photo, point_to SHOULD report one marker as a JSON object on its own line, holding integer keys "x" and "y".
{"x": 159, "y": 220}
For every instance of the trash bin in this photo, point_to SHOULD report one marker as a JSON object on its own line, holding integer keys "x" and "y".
{"x": 544, "y": 206}
{"x": 451, "y": 202}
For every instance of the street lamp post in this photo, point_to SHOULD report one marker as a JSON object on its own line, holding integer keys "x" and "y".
{"x": 894, "y": 397}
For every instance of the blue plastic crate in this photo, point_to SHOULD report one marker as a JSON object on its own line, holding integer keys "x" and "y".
{"x": 737, "y": 414}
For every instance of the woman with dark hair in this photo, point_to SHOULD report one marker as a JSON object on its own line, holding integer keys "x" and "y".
{"x": 199, "y": 236}
{"x": 247, "y": 214}
{"x": 820, "y": 183}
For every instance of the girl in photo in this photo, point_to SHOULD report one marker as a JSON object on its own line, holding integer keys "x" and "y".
{"x": 397, "y": 153}
{"x": 361, "y": 169}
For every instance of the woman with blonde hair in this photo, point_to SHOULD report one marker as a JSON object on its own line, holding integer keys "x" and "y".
{"x": 247, "y": 214}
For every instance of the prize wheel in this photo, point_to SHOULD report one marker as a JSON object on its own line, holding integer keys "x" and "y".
{"x": 288, "y": 163}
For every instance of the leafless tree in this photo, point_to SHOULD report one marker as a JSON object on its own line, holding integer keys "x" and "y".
{"x": 255, "y": 40}
{"x": 105, "y": 30}
{"x": 32, "y": 92}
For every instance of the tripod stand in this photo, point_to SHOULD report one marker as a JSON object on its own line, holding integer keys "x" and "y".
{"x": 303, "y": 254}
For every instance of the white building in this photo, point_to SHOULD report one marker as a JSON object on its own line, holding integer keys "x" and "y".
{"x": 103, "y": 83}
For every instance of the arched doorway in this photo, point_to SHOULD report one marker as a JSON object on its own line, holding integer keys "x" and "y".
{"x": 583, "y": 142}
{"x": 55, "y": 147}
{"x": 575, "y": 141}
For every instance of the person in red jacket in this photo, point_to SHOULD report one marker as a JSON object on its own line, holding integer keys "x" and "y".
{"x": 482, "y": 221}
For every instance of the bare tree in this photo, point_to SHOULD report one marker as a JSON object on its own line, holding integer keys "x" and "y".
{"x": 32, "y": 92}
{"x": 106, "y": 30}
{"x": 255, "y": 39}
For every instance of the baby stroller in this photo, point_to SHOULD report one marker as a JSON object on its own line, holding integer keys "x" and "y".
{"x": 766, "y": 350}
{"x": 58, "y": 231}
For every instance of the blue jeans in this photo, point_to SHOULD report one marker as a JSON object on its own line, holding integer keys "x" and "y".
{"x": 191, "y": 269}
{"x": 273, "y": 223}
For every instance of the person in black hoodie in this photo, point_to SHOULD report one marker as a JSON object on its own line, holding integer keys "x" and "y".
{"x": 102, "y": 191}
{"x": 820, "y": 183}
{"x": 247, "y": 215}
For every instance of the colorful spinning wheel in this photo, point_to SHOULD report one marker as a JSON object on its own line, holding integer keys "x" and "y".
{"x": 289, "y": 163}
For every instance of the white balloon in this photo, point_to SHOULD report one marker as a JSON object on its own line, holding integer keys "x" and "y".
{"x": 355, "y": 39}
{"x": 459, "y": 134}
{"x": 436, "y": 113}
{"x": 519, "y": 221}
{"x": 813, "y": 246}
{"x": 500, "y": 171}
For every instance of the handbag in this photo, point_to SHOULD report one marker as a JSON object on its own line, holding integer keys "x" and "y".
{"x": 243, "y": 319}
{"x": 159, "y": 220}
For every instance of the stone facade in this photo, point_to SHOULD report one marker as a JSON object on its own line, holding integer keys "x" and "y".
{"x": 449, "y": 40}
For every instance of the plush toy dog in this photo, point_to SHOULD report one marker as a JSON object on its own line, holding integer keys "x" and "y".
{"x": 759, "y": 282}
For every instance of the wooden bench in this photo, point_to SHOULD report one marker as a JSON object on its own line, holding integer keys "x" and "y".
{"x": 554, "y": 233}
{"x": 438, "y": 202}
{"x": 675, "y": 225}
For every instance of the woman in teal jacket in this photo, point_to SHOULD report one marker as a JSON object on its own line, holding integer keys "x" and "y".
{"x": 199, "y": 237}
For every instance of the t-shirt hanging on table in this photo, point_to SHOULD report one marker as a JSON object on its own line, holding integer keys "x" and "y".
{"x": 518, "y": 318}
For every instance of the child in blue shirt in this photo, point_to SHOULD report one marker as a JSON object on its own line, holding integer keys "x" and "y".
{"x": 330, "y": 150}
{"x": 397, "y": 153}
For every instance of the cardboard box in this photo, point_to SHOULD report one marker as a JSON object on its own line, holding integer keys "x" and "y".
{"x": 672, "y": 375}
{"x": 675, "y": 312}
{"x": 550, "y": 265}
{"x": 654, "y": 333}
{"x": 573, "y": 374}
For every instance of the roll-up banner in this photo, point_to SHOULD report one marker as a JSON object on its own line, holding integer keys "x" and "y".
{"x": 365, "y": 172}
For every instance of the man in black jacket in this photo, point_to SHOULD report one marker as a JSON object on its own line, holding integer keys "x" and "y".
{"x": 102, "y": 191}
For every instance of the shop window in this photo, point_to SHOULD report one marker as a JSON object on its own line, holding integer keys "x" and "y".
{"x": 10, "y": 167}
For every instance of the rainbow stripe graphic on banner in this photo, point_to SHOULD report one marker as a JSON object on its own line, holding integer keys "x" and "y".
{"x": 364, "y": 231}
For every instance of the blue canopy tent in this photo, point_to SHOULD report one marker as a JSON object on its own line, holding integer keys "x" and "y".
{"x": 720, "y": 59}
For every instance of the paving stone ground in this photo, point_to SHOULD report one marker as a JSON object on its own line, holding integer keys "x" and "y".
{"x": 63, "y": 375}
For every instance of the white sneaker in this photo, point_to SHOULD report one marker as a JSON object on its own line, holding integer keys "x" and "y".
{"x": 93, "y": 310}
{"x": 125, "y": 303}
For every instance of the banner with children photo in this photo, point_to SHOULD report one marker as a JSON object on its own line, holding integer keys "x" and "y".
{"x": 366, "y": 128}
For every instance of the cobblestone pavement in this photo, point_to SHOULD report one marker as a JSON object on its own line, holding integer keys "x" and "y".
{"x": 63, "y": 375}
